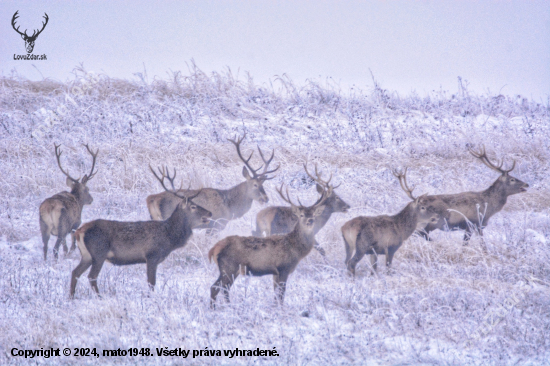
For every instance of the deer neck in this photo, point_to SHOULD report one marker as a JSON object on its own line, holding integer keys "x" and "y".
{"x": 237, "y": 199}
{"x": 322, "y": 219}
{"x": 178, "y": 228}
{"x": 406, "y": 220}
{"x": 301, "y": 242}
{"x": 495, "y": 196}
{"x": 79, "y": 201}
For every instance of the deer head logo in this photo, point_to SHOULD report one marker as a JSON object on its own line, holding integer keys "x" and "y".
{"x": 29, "y": 40}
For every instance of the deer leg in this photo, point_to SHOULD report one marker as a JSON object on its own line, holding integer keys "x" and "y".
{"x": 374, "y": 261}
{"x": 45, "y": 236}
{"x": 94, "y": 273}
{"x": 223, "y": 283}
{"x": 73, "y": 245}
{"x": 319, "y": 248}
{"x": 348, "y": 250}
{"x": 389, "y": 256}
{"x": 359, "y": 254}
{"x": 467, "y": 235}
{"x": 152, "y": 273}
{"x": 280, "y": 286}
{"x": 214, "y": 290}
{"x": 226, "y": 285}
{"x": 59, "y": 241}
{"x": 77, "y": 272}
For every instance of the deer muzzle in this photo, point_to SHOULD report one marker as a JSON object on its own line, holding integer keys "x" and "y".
{"x": 524, "y": 187}
{"x": 206, "y": 219}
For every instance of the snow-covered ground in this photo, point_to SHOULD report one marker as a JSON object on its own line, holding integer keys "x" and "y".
{"x": 424, "y": 311}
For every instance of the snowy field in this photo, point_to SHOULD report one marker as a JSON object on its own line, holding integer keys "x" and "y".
{"x": 433, "y": 308}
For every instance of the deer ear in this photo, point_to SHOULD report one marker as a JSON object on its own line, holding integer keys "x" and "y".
{"x": 70, "y": 182}
{"x": 246, "y": 174}
{"x": 319, "y": 210}
{"x": 319, "y": 189}
{"x": 420, "y": 198}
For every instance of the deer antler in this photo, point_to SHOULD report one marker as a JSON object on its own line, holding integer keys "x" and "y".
{"x": 58, "y": 153}
{"x": 266, "y": 164}
{"x": 245, "y": 161}
{"x": 35, "y": 34}
{"x": 165, "y": 174}
{"x": 287, "y": 198}
{"x": 94, "y": 157}
{"x": 319, "y": 202}
{"x": 402, "y": 176}
{"x": 15, "y": 16}
{"x": 170, "y": 178}
{"x": 482, "y": 155}
{"x": 318, "y": 179}
{"x": 43, "y": 26}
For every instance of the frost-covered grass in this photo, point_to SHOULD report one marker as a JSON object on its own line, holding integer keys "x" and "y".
{"x": 422, "y": 312}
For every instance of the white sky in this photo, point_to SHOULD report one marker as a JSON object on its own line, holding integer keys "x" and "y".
{"x": 409, "y": 45}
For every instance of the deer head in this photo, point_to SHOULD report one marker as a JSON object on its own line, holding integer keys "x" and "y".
{"x": 29, "y": 40}
{"x": 508, "y": 184}
{"x": 332, "y": 200}
{"x": 306, "y": 215}
{"x": 78, "y": 186}
{"x": 255, "y": 180}
{"x": 427, "y": 211}
{"x": 196, "y": 214}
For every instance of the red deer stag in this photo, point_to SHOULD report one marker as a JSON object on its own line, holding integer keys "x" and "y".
{"x": 471, "y": 211}
{"x": 385, "y": 234}
{"x": 276, "y": 255}
{"x": 281, "y": 220}
{"x": 149, "y": 242}
{"x": 225, "y": 204}
{"x": 61, "y": 213}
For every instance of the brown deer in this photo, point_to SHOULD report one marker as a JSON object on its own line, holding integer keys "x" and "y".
{"x": 276, "y": 255}
{"x": 225, "y": 204}
{"x": 281, "y": 219}
{"x": 471, "y": 211}
{"x": 149, "y": 242}
{"x": 385, "y": 234}
{"x": 61, "y": 213}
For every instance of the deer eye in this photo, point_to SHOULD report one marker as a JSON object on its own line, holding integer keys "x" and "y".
{"x": 255, "y": 185}
{"x": 512, "y": 180}
{"x": 193, "y": 207}
{"x": 423, "y": 208}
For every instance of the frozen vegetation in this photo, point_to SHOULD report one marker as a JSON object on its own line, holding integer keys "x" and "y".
{"x": 438, "y": 296}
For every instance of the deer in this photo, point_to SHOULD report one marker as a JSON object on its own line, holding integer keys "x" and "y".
{"x": 471, "y": 211}
{"x": 61, "y": 214}
{"x": 385, "y": 234}
{"x": 276, "y": 255}
{"x": 125, "y": 243}
{"x": 29, "y": 40}
{"x": 225, "y": 204}
{"x": 281, "y": 219}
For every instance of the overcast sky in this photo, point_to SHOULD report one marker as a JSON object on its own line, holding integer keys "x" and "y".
{"x": 500, "y": 46}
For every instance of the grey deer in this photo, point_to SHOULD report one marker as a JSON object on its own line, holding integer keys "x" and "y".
{"x": 276, "y": 255}
{"x": 471, "y": 211}
{"x": 61, "y": 214}
{"x": 225, "y": 204}
{"x": 385, "y": 234}
{"x": 281, "y": 219}
{"x": 124, "y": 243}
